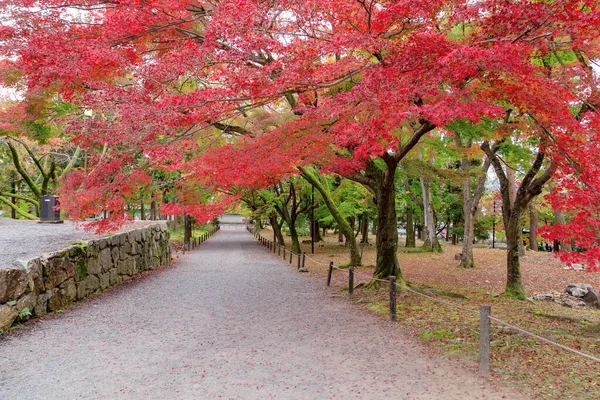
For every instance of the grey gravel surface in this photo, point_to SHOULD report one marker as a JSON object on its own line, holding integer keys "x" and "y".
{"x": 22, "y": 240}
{"x": 231, "y": 321}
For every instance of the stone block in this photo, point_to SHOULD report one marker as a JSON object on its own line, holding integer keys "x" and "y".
{"x": 81, "y": 268}
{"x": 13, "y": 283}
{"x": 93, "y": 248}
{"x": 88, "y": 286}
{"x": 93, "y": 266}
{"x": 28, "y": 301}
{"x": 41, "y": 304}
{"x": 104, "y": 280}
{"x": 8, "y": 314}
{"x": 126, "y": 267}
{"x": 115, "y": 254}
{"x": 105, "y": 259}
{"x": 114, "y": 277}
{"x": 63, "y": 296}
{"x": 123, "y": 253}
{"x": 58, "y": 270}
{"x": 592, "y": 298}
{"x": 578, "y": 289}
{"x": 35, "y": 275}
{"x": 103, "y": 243}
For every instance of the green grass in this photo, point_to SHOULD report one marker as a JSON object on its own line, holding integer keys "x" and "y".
{"x": 177, "y": 233}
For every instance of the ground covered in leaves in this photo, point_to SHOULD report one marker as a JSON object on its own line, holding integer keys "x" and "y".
{"x": 547, "y": 371}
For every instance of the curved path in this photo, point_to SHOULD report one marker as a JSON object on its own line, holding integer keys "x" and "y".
{"x": 227, "y": 321}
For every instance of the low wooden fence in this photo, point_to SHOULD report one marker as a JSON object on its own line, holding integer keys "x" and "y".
{"x": 484, "y": 312}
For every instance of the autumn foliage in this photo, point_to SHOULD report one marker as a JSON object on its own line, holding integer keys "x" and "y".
{"x": 238, "y": 93}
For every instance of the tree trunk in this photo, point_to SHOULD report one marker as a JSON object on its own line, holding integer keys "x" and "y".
{"x": 387, "y": 231}
{"x": 365, "y": 228}
{"x": 153, "y": 209}
{"x": 431, "y": 241}
{"x": 317, "y": 229}
{"x": 467, "y": 260}
{"x": 340, "y": 236}
{"x": 512, "y": 193}
{"x": 13, "y": 212}
{"x": 514, "y": 285}
{"x": 410, "y": 228}
{"x": 294, "y": 236}
{"x": 276, "y": 228}
{"x": 142, "y": 211}
{"x": 187, "y": 231}
{"x": 533, "y": 226}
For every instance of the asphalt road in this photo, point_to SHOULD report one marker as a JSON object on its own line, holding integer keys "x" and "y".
{"x": 227, "y": 321}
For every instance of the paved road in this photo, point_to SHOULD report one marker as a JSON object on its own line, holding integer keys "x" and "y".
{"x": 227, "y": 321}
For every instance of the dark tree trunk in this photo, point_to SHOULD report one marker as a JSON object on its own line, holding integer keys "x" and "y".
{"x": 142, "y": 211}
{"x": 340, "y": 236}
{"x": 13, "y": 212}
{"x": 294, "y": 236}
{"x": 317, "y": 229}
{"x": 276, "y": 228}
{"x": 533, "y": 227}
{"x": 410, "y": 228}
{"x": 514, "y": 285}
{"x": 187, "y": 231}
{"x": 431, "y": 242}
{"x": 364, "y": 228}
{"x": 153, "y": 209}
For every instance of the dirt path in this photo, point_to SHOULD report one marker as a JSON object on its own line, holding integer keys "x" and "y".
{"x": 228, "y": 321}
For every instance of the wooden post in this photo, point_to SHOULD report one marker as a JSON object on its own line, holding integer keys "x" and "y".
{"x": 329, "y": 273}
{"x": 298, "y": 261}
{"x": 485, "y": 310}
{"x": 392, "y": 298}
{"x": 303, "y": 260}
{"x": 284, "y": 254}
{"x": 350, "y": 281}
{"x": 278, "y": 249}
{"x": 291, "y": 255}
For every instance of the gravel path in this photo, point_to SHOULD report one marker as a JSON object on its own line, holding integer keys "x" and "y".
{"x": 227, "y": 321}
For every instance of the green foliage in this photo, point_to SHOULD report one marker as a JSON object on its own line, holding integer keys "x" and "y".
{"x": 24, "y": 313}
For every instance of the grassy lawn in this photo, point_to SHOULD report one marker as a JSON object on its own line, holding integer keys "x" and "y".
{"x": 547, "y": 372}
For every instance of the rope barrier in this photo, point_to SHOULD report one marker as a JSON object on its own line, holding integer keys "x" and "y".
{"x": 315, "y": 261}
{"x": 449, "y": 304}
{"x": 543, "y": 339}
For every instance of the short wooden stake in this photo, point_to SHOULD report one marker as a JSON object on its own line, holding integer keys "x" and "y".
{"x": 278, "y": 250}
{"x": 291, "y": 255}
{"x": 298, "y": 261}
{"x": 329, "y": 273}
{"x": 392, "y": 298}
{"x": 485, "y": 310}
{"x": 350, "y": 281}
{"x": 303, "y": 260}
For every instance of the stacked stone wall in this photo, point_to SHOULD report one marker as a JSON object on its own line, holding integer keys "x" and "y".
{"x": 55, "y": 280}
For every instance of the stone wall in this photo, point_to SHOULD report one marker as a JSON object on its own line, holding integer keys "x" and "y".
{"x": 55, "y": 280}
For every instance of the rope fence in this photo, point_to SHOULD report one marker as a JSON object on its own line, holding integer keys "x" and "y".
{"x": 484, "y": 312}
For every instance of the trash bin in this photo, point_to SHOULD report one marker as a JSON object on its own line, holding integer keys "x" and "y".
{"x": 49, "y": 208}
